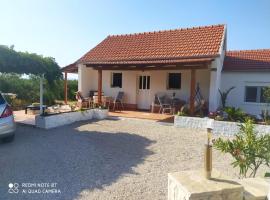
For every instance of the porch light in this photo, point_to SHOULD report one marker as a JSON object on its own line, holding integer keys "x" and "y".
{"x": 208, "y": 150}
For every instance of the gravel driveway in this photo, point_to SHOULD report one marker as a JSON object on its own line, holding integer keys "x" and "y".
{"x": 110, "y": 159}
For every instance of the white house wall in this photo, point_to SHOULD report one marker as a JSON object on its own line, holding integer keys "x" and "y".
{"x": 215, "y": 80}
{"x": 240, "y": 80}
{"x": 88, "y": 81}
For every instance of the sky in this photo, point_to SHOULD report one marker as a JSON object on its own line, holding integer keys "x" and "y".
{"x": 66, "y": 30}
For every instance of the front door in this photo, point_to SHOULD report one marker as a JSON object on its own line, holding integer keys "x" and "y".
{"x": 143, "y": 98}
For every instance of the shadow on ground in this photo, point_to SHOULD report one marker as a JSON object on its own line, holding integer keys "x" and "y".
{"x": 75, "y": 160}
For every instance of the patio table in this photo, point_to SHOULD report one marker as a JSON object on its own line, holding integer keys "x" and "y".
{"x": 104, "y": 99}
{"x": 176, "y": 103}
{"x": 31, "y": 107}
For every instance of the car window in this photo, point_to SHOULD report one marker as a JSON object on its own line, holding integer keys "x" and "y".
{"x": 2, "y": 100}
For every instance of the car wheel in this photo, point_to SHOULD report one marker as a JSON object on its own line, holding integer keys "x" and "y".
{"x": 8, "y": 139}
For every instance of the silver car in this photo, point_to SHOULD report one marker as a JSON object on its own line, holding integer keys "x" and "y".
{"x": 7, "y": 123}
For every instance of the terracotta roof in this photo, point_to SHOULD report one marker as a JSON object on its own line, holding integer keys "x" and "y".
{"x": 171, "y": 44}
{"x": 247, "y": 60}
{"x": 71, "y": 68}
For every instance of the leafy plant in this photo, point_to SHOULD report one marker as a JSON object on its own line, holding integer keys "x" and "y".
{"x": 266, "y": 94}
{"x": 102, "y": 107}
{"x": 181, "y": 113}
{"x": 27, "y": 89}
{"x": 267, "y": 174}
{"x": 235, "y": 114}
{"x": 249, "y": 149}
{"x": 265, "y": 113}
{"x": 266, "y": 116}
{"x": 224, "y": 96}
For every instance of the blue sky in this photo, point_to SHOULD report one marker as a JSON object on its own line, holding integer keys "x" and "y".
{"x": 67, "y": 29}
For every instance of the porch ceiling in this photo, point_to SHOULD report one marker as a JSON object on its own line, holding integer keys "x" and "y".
{"x": 166, "y": 64}
{"x": 146, "y": 65}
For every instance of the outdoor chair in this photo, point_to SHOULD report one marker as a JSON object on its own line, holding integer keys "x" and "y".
{"x": 82, "y": 101}
{"x": 91, "y": 98}
{"x": 118, "y": 100}
{"x": 164, "y": 104}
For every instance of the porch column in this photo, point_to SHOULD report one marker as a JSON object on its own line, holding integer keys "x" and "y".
{"x": 192, "y": 91}
{"x": 99, "y": 85}
{"x": 65, "y": 88}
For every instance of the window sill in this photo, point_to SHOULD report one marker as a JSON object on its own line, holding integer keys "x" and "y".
{"x": 255, "y": 104}
{"x": 116, "y": 87}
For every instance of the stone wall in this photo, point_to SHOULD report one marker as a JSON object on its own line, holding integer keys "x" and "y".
{"x": 53, "y": 121}
{"x": 219, "y": 127}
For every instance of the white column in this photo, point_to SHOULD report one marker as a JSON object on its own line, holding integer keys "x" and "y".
{"x": 215, "y": 80}
{"x": 80, "y": 77}
{"x": 87, "y": 79}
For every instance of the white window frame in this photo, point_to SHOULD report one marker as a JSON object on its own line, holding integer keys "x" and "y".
{"x": 258, "y": 97}
{"x": 168, "y": 75}
{"x": 112, "y": 79}
{"x": 146, "y": 82}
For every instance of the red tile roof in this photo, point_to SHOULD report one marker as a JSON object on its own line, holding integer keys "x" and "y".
{"x": 197, "y": 42}
{"x": 247, "y": 60}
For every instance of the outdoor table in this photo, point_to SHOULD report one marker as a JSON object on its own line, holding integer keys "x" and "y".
{"x": 31, "y": 107}
{"x": 104, "y": 99}
{"x": 176, "y": 103}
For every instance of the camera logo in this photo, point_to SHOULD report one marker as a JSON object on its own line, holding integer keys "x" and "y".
{"x": 13, "y": 188}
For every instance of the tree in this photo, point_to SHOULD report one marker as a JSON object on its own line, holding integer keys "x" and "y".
{"x": 12, "y": 61}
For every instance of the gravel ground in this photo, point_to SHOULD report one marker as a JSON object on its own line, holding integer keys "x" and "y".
{"x": 110, "y": 159}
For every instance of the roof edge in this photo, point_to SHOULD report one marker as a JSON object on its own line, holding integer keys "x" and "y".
{"x": 167, "y": 30}
{"x": 247, "y": 50}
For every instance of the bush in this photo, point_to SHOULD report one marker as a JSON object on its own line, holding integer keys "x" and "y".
{"x": 27, "y": 89}
{"x": 248, "y": 149}
{"x": 235, "y": 114}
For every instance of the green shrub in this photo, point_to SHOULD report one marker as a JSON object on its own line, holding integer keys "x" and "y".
{"x": 267, "y": 174}
{"x": 27, "y": 89}
{"x": 235, "y": 114}
{"x": 181, "y": 113}
{"x": 248, "y": 149}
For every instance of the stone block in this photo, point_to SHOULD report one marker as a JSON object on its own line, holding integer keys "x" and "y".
{"x": 192, "y": 185}
{"x": 255, "y": 188}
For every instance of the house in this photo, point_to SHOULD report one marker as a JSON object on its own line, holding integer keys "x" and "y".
{"x": 174, "y": 62}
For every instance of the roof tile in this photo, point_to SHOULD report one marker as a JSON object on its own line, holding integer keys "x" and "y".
{"x": 171, "y": 44}
{"x": 245, "y": 60}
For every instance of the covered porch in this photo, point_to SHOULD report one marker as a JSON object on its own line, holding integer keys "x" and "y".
{"x": 139, "y": 95}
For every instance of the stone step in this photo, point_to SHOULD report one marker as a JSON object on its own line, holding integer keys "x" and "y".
{"x": 255, "y": 188}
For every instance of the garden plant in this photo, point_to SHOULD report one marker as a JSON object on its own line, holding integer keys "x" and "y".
{"x": 248, "y": 149}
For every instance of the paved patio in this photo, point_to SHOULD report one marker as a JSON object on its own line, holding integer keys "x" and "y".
{"x": 110, "y": 159}
{"x": 22, "y": 118}
{"x": 29, "y": 119}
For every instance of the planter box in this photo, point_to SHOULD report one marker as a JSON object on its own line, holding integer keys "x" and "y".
{"x": 220, "y": 127}
{"x": 101, "y": 113}
{"x": 53, "y": 121}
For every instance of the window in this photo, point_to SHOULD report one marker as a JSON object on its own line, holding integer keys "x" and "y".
{"x": 144, "y": 82}
{"x": 255, "y": 94}
{"x": 116, "y": 80}
{"x": 174, "y": 81}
